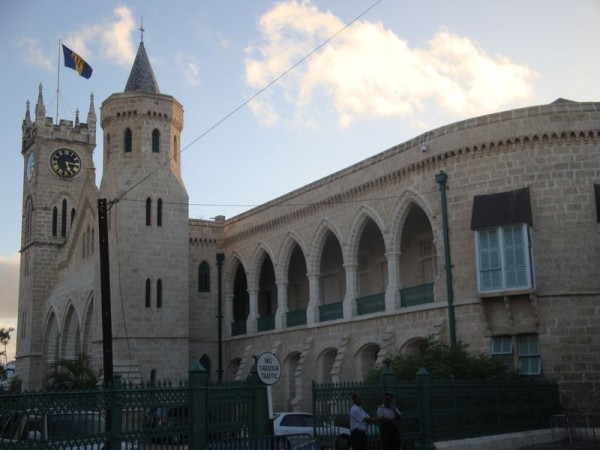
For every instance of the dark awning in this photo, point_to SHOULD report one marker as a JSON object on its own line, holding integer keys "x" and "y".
{"x": 504, "y": 208}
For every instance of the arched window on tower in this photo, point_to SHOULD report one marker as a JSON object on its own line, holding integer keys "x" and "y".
{"x": 107, "y": 146}
{"x": 148, "y": 288}
{"x": 72, "y": 215}
{"x": 63, "y": 223}
{"x": 175, "y": 149}
{"x": 128, "y": 141}
{"x": 54, "y": 221}
{"x": 28, "y": 220}
{"x": 159, "y": 213}
{"x": 159, "y": 293}
{"x": 204, "y": 277}
{"x": 148, "y": 211}
{"x": 155, "y": 141}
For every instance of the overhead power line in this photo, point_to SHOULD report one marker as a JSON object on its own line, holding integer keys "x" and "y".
{"x": 259, "y": 92}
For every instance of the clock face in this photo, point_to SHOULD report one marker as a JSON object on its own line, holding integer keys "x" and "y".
{"x": 65, "y": 163}
{"x": 30, "y": 165}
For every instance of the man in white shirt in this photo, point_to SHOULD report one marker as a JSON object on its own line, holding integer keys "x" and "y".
{"x": 358, "y": 424}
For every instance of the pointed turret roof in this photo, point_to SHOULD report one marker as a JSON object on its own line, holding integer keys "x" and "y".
{"x": 141, "y": 78}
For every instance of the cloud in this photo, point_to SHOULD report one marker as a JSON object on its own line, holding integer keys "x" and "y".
{"x": 9, "y": 297}
{"x": 33, "y": 53}
{"x": 115, "y": 36}
{"x": 190, "y": 67}
{"x": 368, "y": 72}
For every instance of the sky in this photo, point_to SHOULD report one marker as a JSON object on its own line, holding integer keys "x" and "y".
{"x": 279, "y": 94}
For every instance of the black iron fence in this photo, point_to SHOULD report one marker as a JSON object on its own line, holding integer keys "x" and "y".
{"x": 192, "y": 414}
{"x": 436, "y": 410}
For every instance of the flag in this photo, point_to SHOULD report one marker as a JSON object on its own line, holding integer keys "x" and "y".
{"x": 76, "y": 62}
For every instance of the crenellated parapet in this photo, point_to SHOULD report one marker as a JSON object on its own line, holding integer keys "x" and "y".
{"x": 45, "y": 127}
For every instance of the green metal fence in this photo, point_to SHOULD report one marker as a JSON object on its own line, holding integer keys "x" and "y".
{"x": 436, "y": 410}
{"x": 195, "y": 414}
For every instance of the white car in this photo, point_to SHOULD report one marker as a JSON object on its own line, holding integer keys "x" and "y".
{"x": 301, "y": 423}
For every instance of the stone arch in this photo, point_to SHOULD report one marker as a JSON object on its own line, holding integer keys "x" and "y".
{"x": 51, "y": 342}
{"x": 399, "y": 213}
{"x": 293, "y": 270}
{"x": 413, "y": 346}
{"x": 237, "y": 300}
{"x": 318, "y": 241}
{"x": 260, "y": 252}
{"x": 292, "y": 390}
{"x": 88, "y": 318}
{"x": 325, "y": 363}
{"x": 70, "y": 346}
{"x": 365, "y": 359}
{"x": 357, "y": 225}
{"x": 230, "y": 269}
{"x": 285, "y": 253}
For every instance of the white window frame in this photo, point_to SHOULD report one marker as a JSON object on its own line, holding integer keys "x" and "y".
{"x": 502, "y": 349}
{"x": 502, "y": 257}
{"x": 522, "y": 349}
{"x": 530, "y": 354}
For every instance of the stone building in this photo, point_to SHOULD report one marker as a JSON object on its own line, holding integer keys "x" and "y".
{"x": 485, "y": 231}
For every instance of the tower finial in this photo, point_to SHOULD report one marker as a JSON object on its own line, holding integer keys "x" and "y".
{"x": 142, "y": 30}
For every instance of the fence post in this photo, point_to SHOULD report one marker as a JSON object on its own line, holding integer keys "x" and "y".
{"x": 197, "y": 407}
{"x": 260, "y": 404}
{"x": 115, "y": 413}
{"x": 388, "y": 377}
{"x": 425, "y": 422}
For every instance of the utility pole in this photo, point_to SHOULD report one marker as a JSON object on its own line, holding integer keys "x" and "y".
{"x": 220, "y": 259}
{"x": 107, "y": 350}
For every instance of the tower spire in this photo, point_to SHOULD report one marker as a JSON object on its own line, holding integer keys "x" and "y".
{"x": 40, "y": 109}
{"x": 91, "y": 117}
{"x": 27, "y": 120}
{"x": 141, "y": 78}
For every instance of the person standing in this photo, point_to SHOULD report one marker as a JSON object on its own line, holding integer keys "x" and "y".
{"x": 358, "y": 424}
{"x": 389, "y": 420}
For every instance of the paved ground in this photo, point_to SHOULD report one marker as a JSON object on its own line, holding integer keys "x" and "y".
{"x": 581, "y": 445}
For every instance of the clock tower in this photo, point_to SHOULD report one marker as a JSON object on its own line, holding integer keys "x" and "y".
{"x": 58, "y": 169}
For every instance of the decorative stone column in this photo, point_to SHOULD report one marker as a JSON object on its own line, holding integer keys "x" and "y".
{"x": 392, "y": 293}
{"x": 351, "y": 291}
{"x": 251, "y": 326}
{"x": 282, "y": 309}
{"x": 312, "y": 310}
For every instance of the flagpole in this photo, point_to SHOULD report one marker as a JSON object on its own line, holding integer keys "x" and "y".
{"x": 58, "y": 82}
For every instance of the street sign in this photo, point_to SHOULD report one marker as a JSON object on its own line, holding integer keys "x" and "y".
{"x": 268, "y": 368}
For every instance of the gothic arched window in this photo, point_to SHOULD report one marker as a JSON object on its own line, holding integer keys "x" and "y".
{"x": 204, "y": 277}
{"x": 155, "y": 141}
{"x": 63, "y": 224}
{"x": 159, "y": 293}
{"x": 159, "y": 213}
{"x": 128, "y": 141}
{"x": 148, "y": 211}
{"x": 148, "y": 288}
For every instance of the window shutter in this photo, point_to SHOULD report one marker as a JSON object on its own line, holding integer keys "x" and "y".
{"x": 489, "y": 260}
{"x": 514, "y": 257}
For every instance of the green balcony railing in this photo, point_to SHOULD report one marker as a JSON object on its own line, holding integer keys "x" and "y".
{"x": 238, "y": 328}
{"x": 296, "y": 318}
{"x": 265, "y": 323}
{"x": 331, "y": 311}
{"x": 416, "y": 295}
{"x": 370, "y": 304}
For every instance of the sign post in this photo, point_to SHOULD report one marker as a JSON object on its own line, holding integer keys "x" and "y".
{"x": 268, "y": 369}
